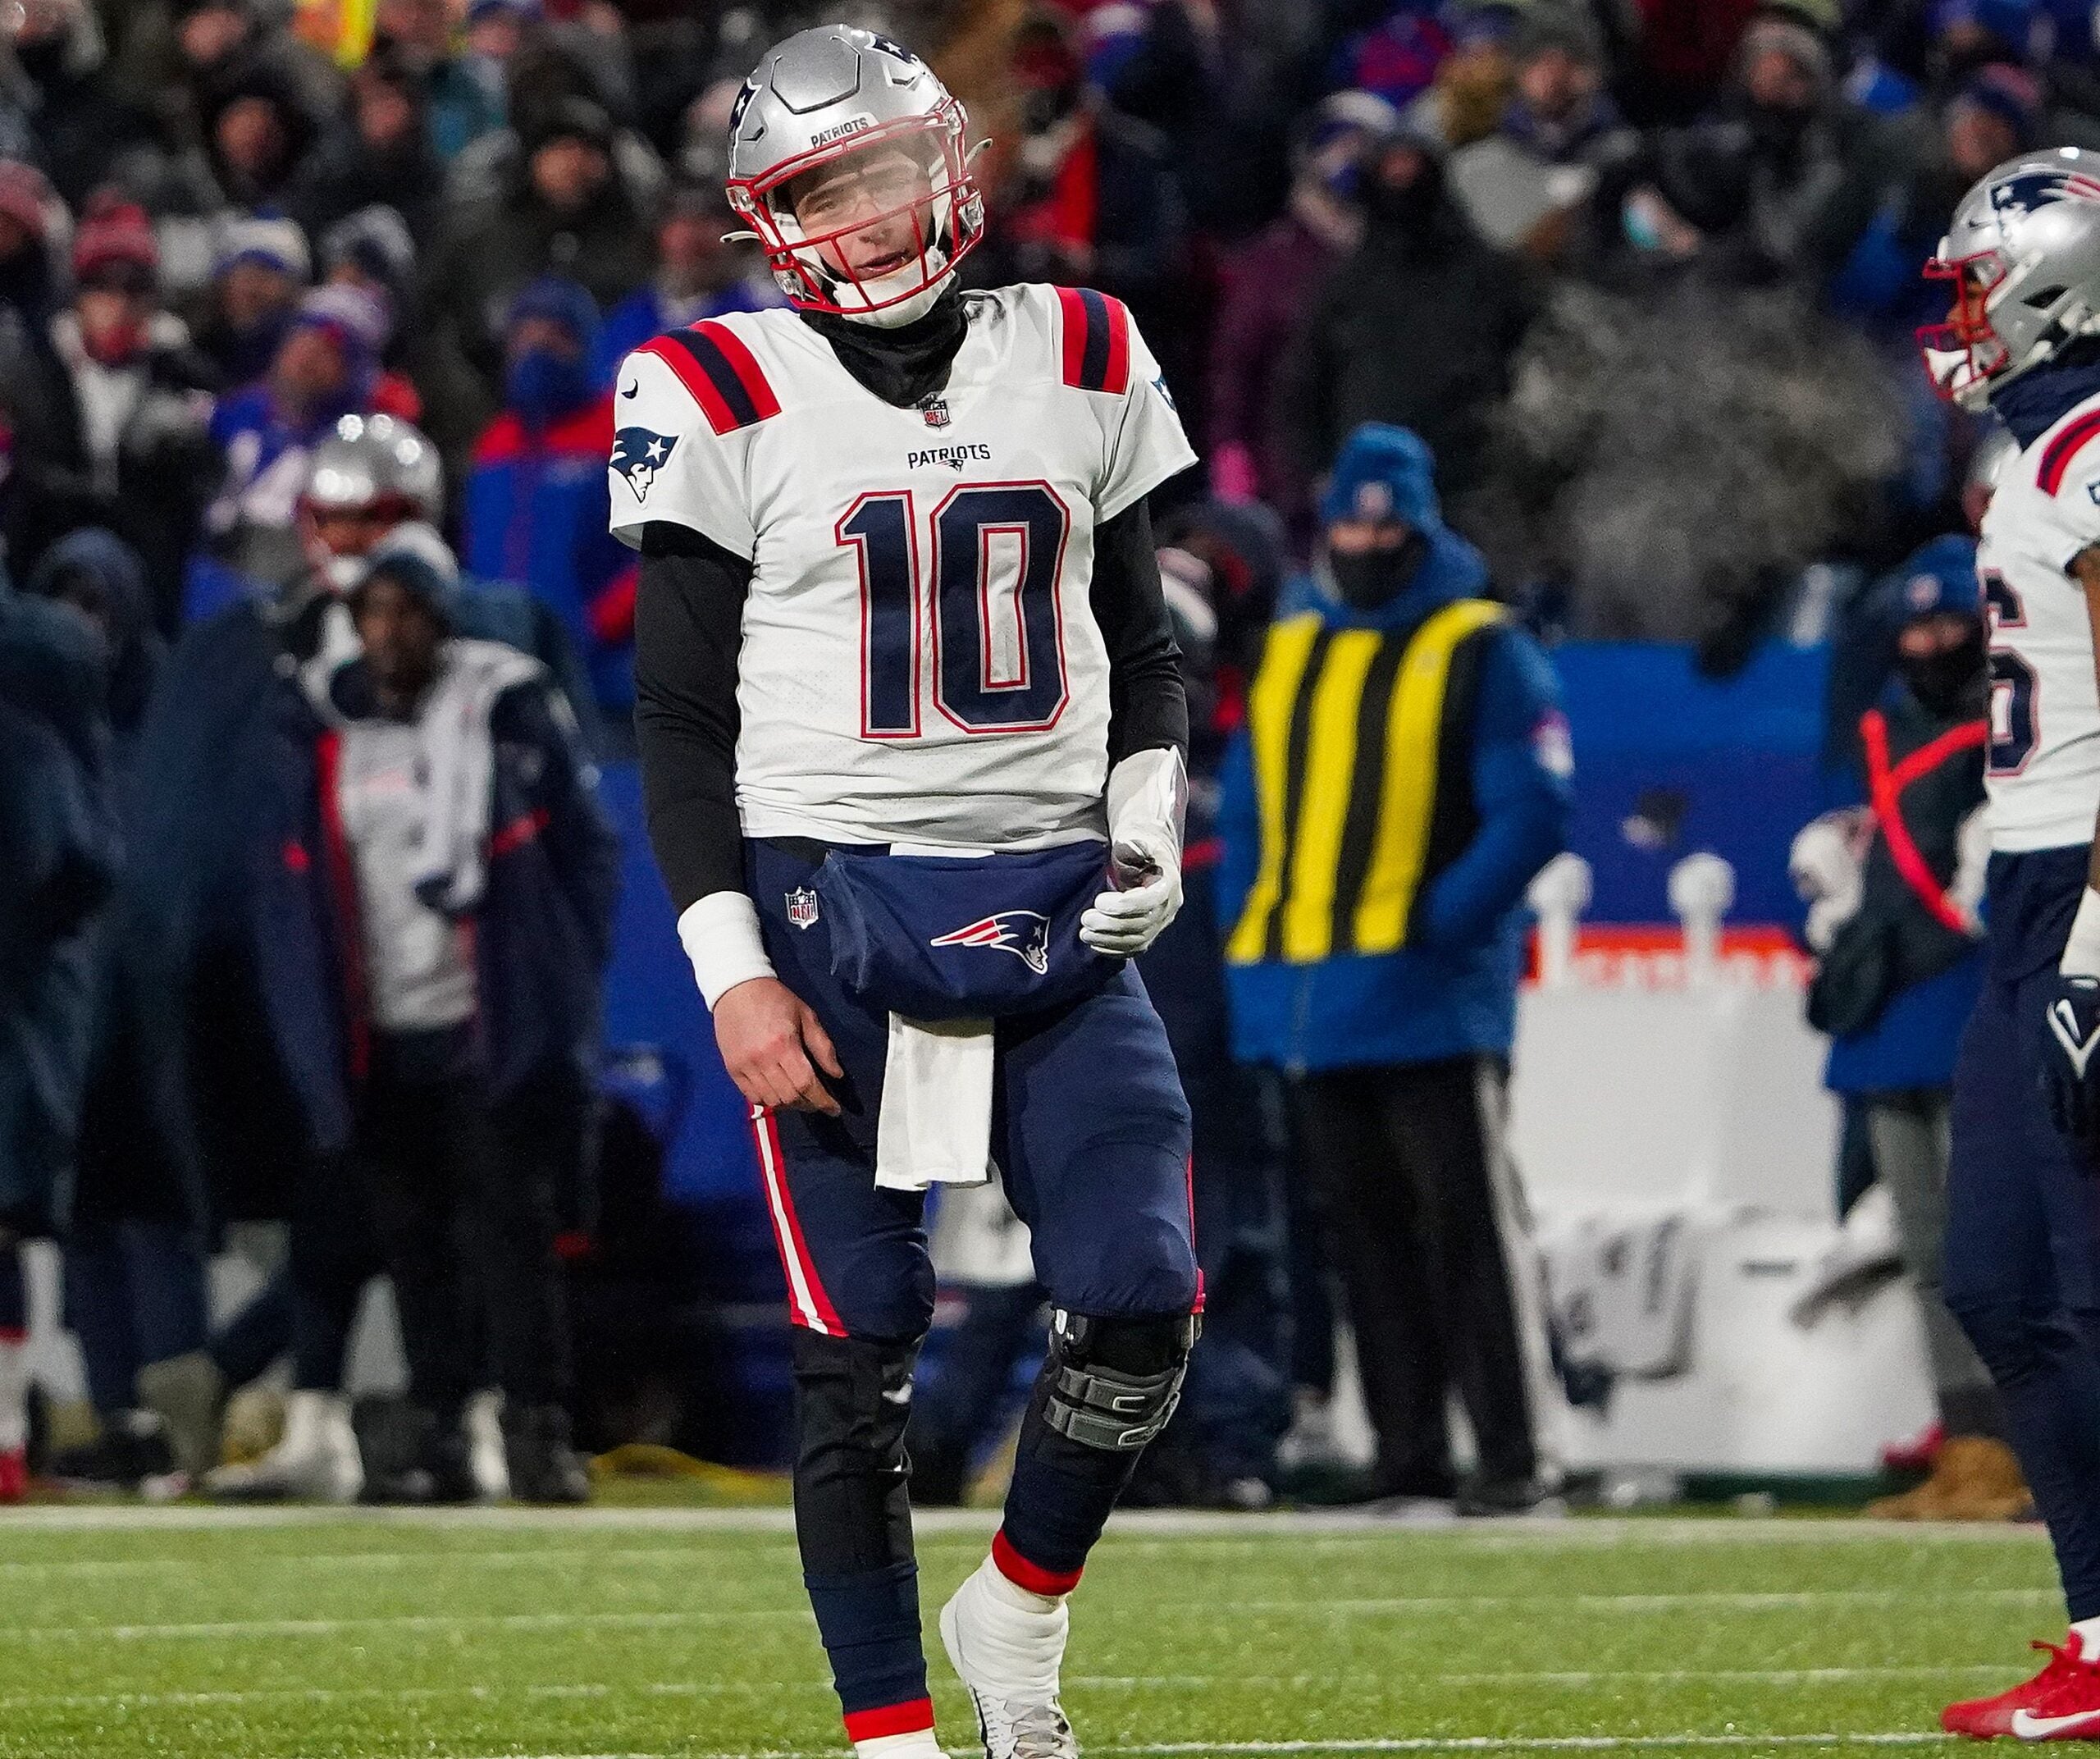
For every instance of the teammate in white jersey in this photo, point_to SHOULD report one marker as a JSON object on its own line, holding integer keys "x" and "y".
{"x": 912, "y": 738}
{"x": 2023, "y": 1272}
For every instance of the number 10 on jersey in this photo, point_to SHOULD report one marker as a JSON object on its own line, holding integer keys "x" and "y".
{"x": 990, "y": 615}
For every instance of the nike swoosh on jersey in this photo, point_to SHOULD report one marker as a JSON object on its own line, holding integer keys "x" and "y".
{"x": 2028, "y": 1726}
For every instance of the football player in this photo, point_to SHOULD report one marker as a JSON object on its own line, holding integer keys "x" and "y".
{"x": 912, "y": 739}
{"x": 2022, "y": 339}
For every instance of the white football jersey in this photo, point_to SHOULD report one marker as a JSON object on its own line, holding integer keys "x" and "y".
{"x": 2043, "y": 774}
{"x": 920, "y": 661}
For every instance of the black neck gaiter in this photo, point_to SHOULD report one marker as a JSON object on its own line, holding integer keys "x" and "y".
{"x": 905, "y": 366}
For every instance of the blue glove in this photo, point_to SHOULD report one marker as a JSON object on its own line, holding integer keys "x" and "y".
{"x": 2070, "y": 1073}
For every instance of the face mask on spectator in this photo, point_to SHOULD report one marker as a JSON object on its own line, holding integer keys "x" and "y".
{"x": 1370, "y": 578}
{"x": 1943, "y": 680}
{"x": 542, "y": 385}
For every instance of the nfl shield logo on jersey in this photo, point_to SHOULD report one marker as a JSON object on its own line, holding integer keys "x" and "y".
{"x": 638, "y": 454}
{"x": 802, "y": 908}
{"x": 936, "y": 412}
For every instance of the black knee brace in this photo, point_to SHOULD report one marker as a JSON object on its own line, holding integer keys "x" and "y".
{"x": 852, "y": 1505}
{"x": 1113, "y": 1383}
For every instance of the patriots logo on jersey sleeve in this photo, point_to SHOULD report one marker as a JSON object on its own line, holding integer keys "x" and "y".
{"x": 1023, "y": 933}
{"x": 2037, "y": 189}
{"x": 638, "y": 454}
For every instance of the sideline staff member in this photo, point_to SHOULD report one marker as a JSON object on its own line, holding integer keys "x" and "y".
{"x": 1404, "y": 774}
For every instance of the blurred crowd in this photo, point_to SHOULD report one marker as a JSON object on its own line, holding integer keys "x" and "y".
{"x": 309, "y": 314}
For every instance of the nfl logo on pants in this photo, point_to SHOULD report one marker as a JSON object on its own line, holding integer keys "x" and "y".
{"x": 802, "y": 908}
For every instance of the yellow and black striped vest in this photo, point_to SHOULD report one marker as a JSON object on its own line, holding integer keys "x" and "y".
{"x": 1363, "y": 772}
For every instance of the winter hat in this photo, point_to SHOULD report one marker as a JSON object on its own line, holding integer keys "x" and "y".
{"x": 378, "y": 241}
{"x": 558, "y": 301}
{"x": 2012, "y": 94}
{"x": 415, "y": 557}
{"x": 1566, "y": 27}
{"x": 518, "y": 9}
{"x": 360, "y": 321}
{"x": 115, "y": 237}
{"x": 1383, "y": 473}
{"x": 26, "y": 198}
{"x": 1796, "y": 41}
{"x": 571, "y": 118}
{"x": 181, "y": 9}
{"x": 1493, "y": 23}
{"x": 275, "y": 243}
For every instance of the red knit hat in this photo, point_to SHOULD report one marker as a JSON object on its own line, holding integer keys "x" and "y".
{"x": 114, "y": 234}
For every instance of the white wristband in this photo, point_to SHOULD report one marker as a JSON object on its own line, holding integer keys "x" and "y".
{"x": 2082, "y": 951}
{"x": 722, "y": 939}
{"x": 1148, "y": 800}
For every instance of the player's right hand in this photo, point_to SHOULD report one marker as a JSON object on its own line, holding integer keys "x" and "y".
{"x": 773, "y": 1046}
{"x": 2070, "y": 1071}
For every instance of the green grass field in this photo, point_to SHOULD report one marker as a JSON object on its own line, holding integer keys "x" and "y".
{"x": 184, "y": 1633}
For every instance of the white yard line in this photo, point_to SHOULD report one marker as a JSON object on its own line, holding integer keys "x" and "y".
{"x": 1426, "y": 1743}
{"x": 680, "y": 1689}
{"x": 1295, "y": 1527}
{"x": 1709, "y": 1601}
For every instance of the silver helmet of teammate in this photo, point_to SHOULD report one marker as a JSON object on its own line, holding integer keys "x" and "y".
{"x": 847, "y": 160}
{"x": 2023, "y": 254}
{"x": 373, "y": 466}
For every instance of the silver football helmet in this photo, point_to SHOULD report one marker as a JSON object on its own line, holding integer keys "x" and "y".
{"x": 2023, "y": 254}
{"x": 847, "y": 160}
{"x": 373, "y": 465}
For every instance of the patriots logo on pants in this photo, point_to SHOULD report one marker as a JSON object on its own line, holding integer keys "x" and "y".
{"x": 638, "y": 454}
{"x": 1022, "y": 933}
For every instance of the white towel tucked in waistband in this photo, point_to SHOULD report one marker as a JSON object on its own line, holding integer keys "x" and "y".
{"x": 935, "y": 1125}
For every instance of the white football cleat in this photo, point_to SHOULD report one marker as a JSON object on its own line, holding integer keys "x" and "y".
{"x": 315, "y": 1461}
{"x": 1007, "y": 1648}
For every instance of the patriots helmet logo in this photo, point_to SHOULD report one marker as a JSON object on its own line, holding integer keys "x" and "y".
{"x": 2037, "y": 189}
{"x": 638, "y": 454}
{"x": 1023, "y": 933}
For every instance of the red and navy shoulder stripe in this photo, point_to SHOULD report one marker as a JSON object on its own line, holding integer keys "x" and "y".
{"x": 713, "y": 363}
{"x": 2057, "y": 454}
{"x": 1096, "y": 335}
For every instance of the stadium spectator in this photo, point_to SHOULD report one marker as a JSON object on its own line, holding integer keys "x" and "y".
{"x": 1086, "y": 198}
{"x": 259, "y": 133}
{"x": 371, "y": 249}
{"x": 463, "y": 96}
{"x": 86, "y": 131}
{"x": 1376, "y": 957}
{"x": 1421, "y": 271}
{"x": 564, "y": 210}
{"x": 1268, "y": 285}
{"x": 537, "y": 503}
{"x": 260, "y": 272}
{"x": 326, "y": 367}
{"x": 1893, "y": 890}
{"x": 697, "y": 275}
{"x": 454, "y": 846}
{"x": 1522, "y": 184}
{"x": 378, "y": 155}
{"x": 112, "y": 416}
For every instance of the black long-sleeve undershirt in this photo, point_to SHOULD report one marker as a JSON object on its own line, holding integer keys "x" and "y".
{"x": 688, "y": 630}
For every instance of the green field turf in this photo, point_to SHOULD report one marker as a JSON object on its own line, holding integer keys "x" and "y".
{"x": 181, "y": 1634}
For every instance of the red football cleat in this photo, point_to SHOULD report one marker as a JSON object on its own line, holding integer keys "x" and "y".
{"x": 2060, "y": 1703}
{"x": 1916, "y": 1455}
{"x": 14, "y": 1474}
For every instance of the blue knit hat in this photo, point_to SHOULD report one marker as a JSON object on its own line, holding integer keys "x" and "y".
{"x": 1383, "y": 473}
{"x": 560, "y": 301}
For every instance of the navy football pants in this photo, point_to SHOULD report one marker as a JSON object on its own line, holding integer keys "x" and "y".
{"x": 1091, "y": 1132}
{"x": 2023, "y": 1233}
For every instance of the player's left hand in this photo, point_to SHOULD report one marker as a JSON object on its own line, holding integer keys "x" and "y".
{"x": 2070, "y": 1072}
{"x": 1146, "y": 896}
